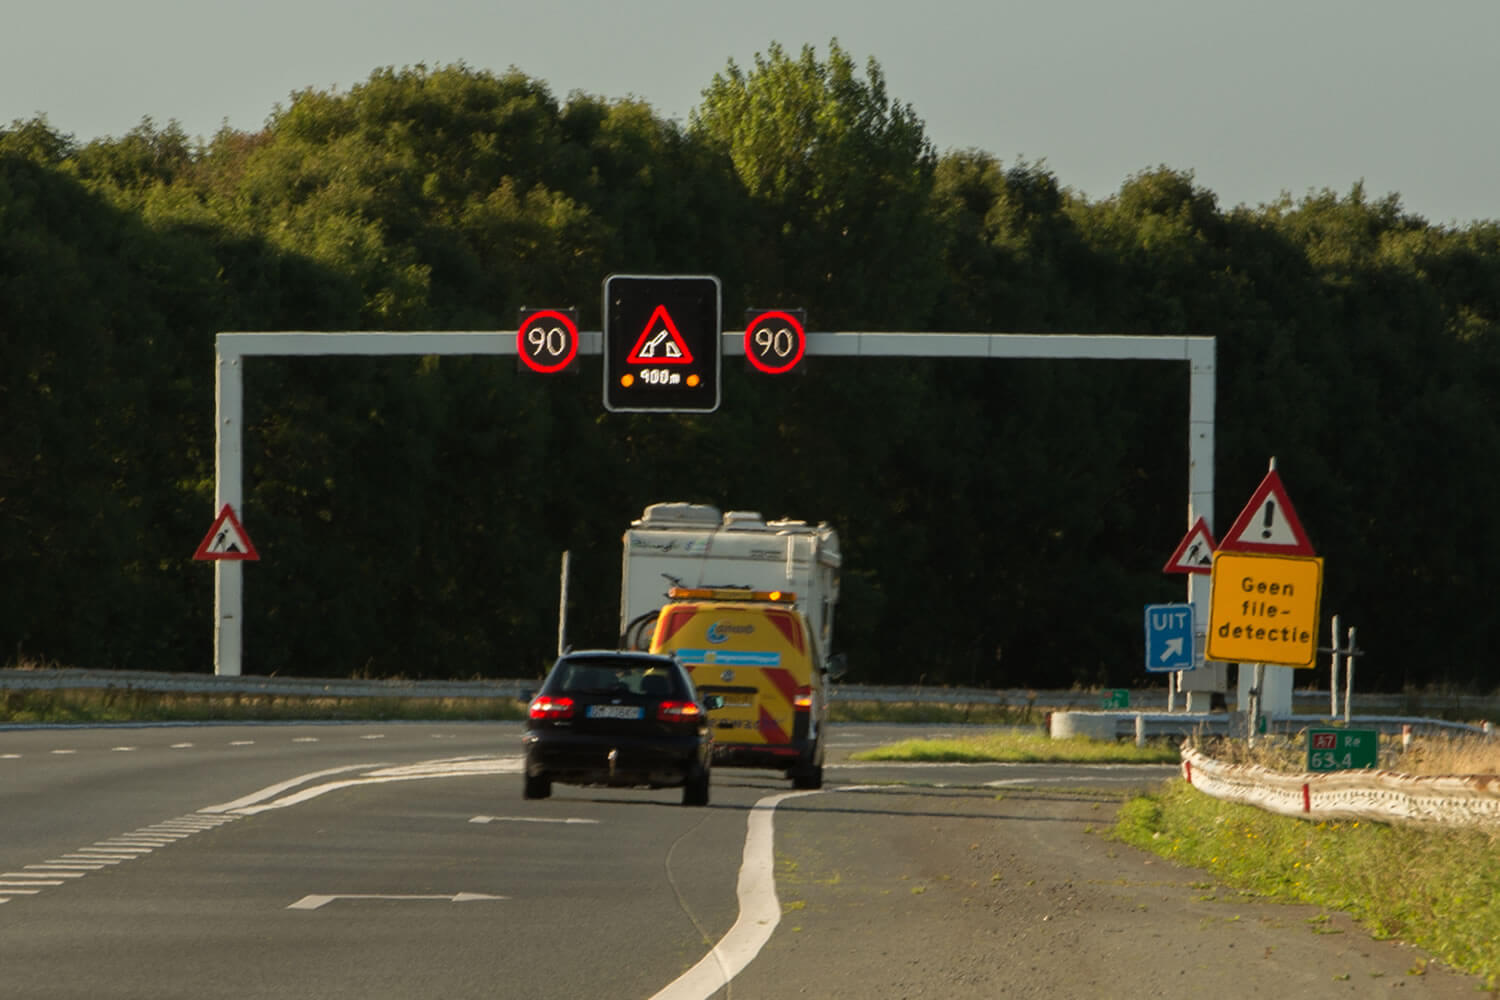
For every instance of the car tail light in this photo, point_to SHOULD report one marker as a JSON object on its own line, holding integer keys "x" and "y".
{"x": 679, "y": 711}
{"x": 548, "y": 707}
{"x": 803, "y": 700}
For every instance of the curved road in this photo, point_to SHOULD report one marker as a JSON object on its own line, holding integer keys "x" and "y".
{"x": 399, "y": 860}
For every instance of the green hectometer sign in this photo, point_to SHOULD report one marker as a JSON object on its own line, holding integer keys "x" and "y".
{"x": 1341, "y": 749}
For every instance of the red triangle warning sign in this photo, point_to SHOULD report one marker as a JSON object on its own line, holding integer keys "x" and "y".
{"x": 660, "y": 343}
{"x": 226, "y": 539}
{"x": 1195, "y": 553}
{"x": 1268, "y": 524}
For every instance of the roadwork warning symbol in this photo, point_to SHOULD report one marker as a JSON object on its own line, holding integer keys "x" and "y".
{"x": 660, "y": 343}
{"x": 227, "y": 539}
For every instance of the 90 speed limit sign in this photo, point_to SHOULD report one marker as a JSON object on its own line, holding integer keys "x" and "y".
{"x": 547, "y": 339}
{"x": 775, "y": 341}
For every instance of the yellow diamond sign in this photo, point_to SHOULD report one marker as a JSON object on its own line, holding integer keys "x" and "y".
{"x": 1264, "y": 609}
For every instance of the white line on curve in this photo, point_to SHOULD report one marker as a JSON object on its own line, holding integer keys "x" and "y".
{"x": 760, "y": 910}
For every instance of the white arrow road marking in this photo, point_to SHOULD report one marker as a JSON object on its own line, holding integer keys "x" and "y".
{"x": 315, "y": 902}
{"x": 529, "y": 819}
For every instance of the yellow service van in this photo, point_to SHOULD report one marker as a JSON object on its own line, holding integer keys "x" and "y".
{"x": 753, "y": 649}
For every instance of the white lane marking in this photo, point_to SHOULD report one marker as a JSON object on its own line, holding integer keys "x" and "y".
{"x": 242, "y": 743}
{"x": 305, "y": 739}
{"x": 530, "y": 819}
{"x": 373, "y": 736}
{"x": 61, "y": 753}
{"x": 105, "y": 853}
{"x": 760, "y": 911}
{"x": 18, "y": 891}
{"x": 182, "y": 746}
{"x": 121, "y": 749}
{"x": 315, "y": 902}
{"x": 271, "y": 791}
{"x": 131, "y": 845}
{"x": 51, "y": 871}
{"x": 10, "y": 756}
{"x": 453, "y": 768}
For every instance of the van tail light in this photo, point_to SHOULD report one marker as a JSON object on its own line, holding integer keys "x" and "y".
{"x": 679, "y": 711}
{"x": 803, "y": 700}
{"x": 549, "y": 707}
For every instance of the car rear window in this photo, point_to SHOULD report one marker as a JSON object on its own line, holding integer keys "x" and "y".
{"x": 620, "y": 676}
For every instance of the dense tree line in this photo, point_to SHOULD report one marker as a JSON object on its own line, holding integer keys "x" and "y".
{"x": 1003, "y": 522}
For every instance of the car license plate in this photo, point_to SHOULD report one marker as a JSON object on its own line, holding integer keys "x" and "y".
{"x": 615, "y": 712}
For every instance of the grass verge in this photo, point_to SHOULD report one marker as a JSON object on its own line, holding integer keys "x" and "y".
{"x": 1023, "y": 747}
{"x": 1435, "y": 888}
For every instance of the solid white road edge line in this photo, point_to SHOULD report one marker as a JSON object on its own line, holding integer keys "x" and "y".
{"x": 760, "y": 909}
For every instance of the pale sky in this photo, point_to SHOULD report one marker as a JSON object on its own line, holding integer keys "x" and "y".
{"x": 1256, "y": 98}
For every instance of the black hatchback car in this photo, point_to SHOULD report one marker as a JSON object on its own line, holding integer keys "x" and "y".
{"x": 627, "y": 719}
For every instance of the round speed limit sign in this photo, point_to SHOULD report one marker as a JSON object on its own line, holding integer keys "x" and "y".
{"x": 775, "y": 342}
{"x": 547, "y": 340}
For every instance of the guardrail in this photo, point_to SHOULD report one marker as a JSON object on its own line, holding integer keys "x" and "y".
{"x": 305, "y": 687}
{"x": 1384, "y": 796}
{"x": 1150, "y": 702}
{"x": 1108, "y": 724}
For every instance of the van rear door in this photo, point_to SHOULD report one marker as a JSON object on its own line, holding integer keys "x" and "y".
{"x": 752, "y": 657}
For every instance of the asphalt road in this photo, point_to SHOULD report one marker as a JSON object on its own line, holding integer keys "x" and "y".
{"x": 400, "y": 860}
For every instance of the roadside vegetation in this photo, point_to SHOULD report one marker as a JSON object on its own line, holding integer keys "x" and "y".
{"x": 1433, "y": 887}
{"x": 937, "y": 713}
{"x": 119, "y": 705}
{"x": 1027, "y": 746}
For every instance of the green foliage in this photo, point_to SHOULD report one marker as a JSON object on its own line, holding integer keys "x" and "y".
{"x": 1002, "y": 523}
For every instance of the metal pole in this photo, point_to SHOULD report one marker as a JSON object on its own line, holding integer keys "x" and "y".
{"x": 229, "y": 395}
{"x": 1333, "y": 684}
{"x": 562, "y": 607}
{"x": 1349, "y": 678}
{"x": 1260, "y": 678}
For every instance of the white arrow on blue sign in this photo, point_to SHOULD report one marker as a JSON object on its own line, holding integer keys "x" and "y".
{"x": 1169, "y": 637}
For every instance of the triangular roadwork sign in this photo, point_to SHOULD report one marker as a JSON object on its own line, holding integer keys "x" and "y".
{"x": 1268, "y": 524}
{"x": 660, "y": 343}
{"x": 226, "y": 539}
{"x": 1195, "y": 553}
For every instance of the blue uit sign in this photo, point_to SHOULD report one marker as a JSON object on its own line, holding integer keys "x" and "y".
{"x": 1169, "y": 637}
